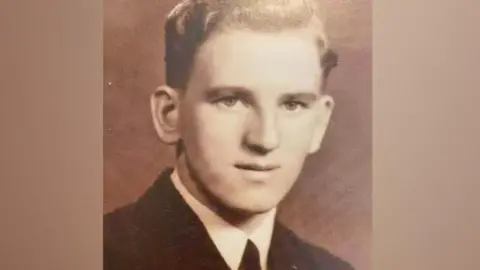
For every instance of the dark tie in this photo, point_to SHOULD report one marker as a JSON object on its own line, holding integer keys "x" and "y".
{"x": 251, "y": 258}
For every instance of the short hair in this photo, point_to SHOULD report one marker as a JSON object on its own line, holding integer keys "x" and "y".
{"x": 192, "y": 22}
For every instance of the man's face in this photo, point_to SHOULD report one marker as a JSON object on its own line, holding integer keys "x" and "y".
{"x": 251, "y": 114}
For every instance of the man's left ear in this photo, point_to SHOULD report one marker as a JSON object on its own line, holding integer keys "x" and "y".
{"x": 325, "y": 112}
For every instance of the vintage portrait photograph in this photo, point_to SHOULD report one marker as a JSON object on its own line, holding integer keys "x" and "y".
{"x": 237, "y": 134}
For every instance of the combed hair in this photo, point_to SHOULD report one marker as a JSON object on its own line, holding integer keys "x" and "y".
{"x": 191, "y": 22}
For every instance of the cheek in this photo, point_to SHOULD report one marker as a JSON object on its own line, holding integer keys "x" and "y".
{"x": 216, "y": 132}
{"x": 297, "y": 134}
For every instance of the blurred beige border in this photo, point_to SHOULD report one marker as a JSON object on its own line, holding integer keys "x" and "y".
{"x": 51, "y": 135}
{"x": 426, "y": 135}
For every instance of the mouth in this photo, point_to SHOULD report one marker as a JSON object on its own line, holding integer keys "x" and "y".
{"x": 257, "y": 167}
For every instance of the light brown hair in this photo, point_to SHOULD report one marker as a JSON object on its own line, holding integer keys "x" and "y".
{"x": 191, "y": 23}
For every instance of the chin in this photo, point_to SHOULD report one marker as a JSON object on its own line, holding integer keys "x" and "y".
{"x": 251, "y": 206}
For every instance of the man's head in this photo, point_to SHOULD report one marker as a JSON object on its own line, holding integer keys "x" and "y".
{"x": 245, "y": 97}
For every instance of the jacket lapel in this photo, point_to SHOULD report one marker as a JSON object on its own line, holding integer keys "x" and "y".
{"x": 282, "y": 254}
{"x": 170, "y": 235}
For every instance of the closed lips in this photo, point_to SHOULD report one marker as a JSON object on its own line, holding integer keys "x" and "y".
{"x": 255, "y": 167}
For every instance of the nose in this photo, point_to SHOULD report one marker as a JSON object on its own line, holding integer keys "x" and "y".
{"x": 262, "y": 134}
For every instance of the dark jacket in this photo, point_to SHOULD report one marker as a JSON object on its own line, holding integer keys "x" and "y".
{"x": 160, "y": 232}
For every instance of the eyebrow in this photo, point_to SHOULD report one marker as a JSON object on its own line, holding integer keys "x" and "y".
{"x": 310, "y": 97}
{"x": 218, "y": 91}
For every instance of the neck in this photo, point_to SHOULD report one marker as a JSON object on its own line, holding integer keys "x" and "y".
{"x": 245, "y": 221}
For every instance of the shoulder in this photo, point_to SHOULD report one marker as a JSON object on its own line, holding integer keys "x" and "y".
{"x": 314, "y": 257}
{"x": 118, "y": 239}
{"x": 321, "y": 256}
{"x": 124, "y": 225}
{"x": 118, "y": 225}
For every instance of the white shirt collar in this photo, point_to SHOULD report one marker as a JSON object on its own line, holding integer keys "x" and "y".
{"x": 229, "y": 240}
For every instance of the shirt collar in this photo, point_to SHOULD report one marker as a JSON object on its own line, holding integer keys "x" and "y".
{"x": 229, "y": 240}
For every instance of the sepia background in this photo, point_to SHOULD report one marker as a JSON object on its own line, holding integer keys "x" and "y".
{"x": 331, "y": 204}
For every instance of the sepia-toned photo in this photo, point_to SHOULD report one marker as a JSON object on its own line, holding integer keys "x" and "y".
{"x": 237, "y": 135}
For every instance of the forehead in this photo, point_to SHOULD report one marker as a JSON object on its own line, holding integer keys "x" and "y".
{"x": 286, "y": 60}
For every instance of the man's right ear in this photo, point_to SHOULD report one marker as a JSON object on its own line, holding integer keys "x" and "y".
{"x": 165, "y": 105}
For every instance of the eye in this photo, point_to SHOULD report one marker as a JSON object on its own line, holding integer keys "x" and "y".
{"x": 295, "y": 105}
{"x": 229, "y": 102}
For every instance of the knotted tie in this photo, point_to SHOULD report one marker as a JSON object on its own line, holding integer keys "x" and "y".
{"x": 251, "y": 258}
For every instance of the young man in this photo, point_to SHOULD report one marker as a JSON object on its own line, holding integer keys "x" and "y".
{"x": 244, "y": 104}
